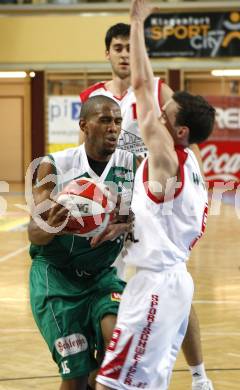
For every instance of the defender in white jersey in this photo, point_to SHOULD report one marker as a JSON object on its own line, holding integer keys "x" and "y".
{"x": 170, "y": 205}
{"x": 117, "y": 53}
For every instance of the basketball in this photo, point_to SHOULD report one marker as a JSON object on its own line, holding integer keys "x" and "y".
{"x": 88, "y": 205}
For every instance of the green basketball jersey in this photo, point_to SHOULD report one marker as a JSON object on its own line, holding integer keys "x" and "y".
{"x": 73, "y": 250}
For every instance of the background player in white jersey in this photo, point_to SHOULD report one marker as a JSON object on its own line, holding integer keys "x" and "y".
{"x": 155, "y": 306}
{"x": 119, "y": 88}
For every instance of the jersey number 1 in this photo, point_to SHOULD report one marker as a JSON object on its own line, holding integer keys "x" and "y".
{"x": 134, "y": 110}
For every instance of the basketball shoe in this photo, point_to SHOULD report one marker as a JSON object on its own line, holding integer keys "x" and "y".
{"x": 202, "y": 385}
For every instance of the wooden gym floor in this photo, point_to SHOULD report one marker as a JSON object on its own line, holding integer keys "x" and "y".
{"x": 25, "y": 362}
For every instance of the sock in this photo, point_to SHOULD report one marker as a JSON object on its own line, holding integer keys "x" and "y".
{"x": 198, "y": 372}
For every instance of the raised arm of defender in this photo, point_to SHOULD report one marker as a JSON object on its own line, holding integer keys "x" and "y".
{"x": 163, "y": 162}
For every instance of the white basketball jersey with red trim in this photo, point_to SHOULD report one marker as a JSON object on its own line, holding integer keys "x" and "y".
{"x": 165, "y": 232}
{"x": 130, "y": 138}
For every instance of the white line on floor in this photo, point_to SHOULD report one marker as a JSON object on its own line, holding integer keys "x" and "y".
{"x": 8, "y": 299}
{"x": 13, "y": 254}
{"x": 220, "y": 333}
{"x": 216, "y": 302}
{"x": 16, "y": 330}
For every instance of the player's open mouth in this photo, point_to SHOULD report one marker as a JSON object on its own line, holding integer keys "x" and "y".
{"x": 111, "y": 141}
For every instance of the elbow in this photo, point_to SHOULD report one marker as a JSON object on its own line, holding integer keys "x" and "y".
{"x": 40, "y": 241}
{"x": 37, "y": 236}
{"x": 30, "y": 231}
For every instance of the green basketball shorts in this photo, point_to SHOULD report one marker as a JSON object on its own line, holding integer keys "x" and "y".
{"x": 68, "y": 306}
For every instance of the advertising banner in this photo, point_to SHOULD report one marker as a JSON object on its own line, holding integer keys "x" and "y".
{"x": 204, "y": 34}
{"x": 221, "y": 161}
{"x": 227, "y": 125}
{"x": 63, "y": 122}
{"x": 221, "y": 154}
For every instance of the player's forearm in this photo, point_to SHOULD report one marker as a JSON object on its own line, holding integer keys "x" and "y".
{"x": 142, "y": 74}
{"x": 38, "y": 236}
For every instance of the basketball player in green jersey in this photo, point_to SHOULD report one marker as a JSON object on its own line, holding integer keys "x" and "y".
{"x": 74, "y": 291}
{"x": 119, "y": 88}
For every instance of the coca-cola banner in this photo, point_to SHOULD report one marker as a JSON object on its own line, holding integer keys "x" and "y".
{"x": 221, "y": 160}
{"x": 221, "y": 154}
{"x": 193, "y": 34}
{"x": 227, "y": 125}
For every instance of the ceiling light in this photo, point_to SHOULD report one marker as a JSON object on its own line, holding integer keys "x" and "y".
{"x": 10, "y": 75}
{"x": 226, "y": 72}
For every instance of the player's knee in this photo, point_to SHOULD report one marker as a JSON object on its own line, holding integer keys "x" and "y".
{"x": 74, "y": 384}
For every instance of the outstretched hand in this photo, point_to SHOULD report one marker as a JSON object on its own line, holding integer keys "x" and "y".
{"x": 117, "y": 227}
{"x": 139, "y": 10}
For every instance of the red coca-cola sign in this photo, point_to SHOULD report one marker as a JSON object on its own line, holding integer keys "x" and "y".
{"x": 221, "y": 160}
{"x": 221, "y": 154}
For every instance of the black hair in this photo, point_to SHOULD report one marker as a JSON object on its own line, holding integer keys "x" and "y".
{"x": 119, "y": 29}
{"x": 88, "y": 107}
{"x": 195, "y": 113}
